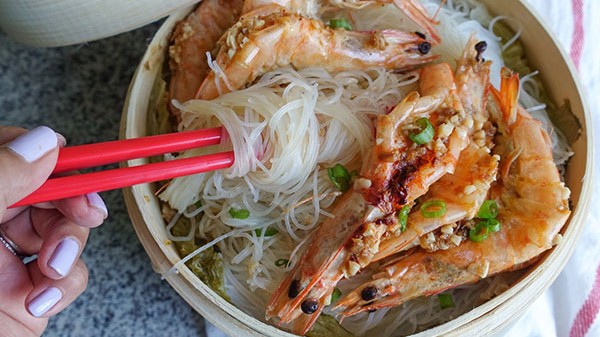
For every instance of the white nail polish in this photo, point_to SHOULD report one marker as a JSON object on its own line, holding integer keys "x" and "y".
{"x": 62, "y": 141}
{"x": 44, "y": 301}
{"x": 64, "y": 256}
{"x": 34, "y": 144}
{"x": 96, "y": 201}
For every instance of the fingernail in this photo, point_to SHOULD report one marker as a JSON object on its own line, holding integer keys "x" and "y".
{"x": 95, "y": 200}
{"x": 62, "y": 141}
{"x": 64, "y": 256}
{"x": 34, "y": 144}
{"x": 44, "y": 301}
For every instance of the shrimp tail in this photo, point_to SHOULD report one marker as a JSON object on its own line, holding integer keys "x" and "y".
{"x": 508, "y": 96}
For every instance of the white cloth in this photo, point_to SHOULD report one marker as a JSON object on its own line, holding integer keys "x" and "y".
{"x": 570, "y": 306}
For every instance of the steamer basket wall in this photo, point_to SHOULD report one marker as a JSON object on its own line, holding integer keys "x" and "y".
{"x": 487, "y": 319}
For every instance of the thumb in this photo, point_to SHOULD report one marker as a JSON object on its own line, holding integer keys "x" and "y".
{"x": 26, "y": 162}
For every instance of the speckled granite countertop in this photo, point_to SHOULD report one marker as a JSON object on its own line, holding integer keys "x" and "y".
{"x": 79, "y": 91}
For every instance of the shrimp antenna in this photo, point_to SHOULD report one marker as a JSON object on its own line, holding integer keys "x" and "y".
{"x": 438, "y": 10}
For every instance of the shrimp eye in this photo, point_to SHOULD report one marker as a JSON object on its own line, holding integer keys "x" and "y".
{"x": 421, "y": 35}
{"x": 368, "y": 293}
{"x": 295, "y": 288}
{"x": 480, "y": 47}
{"x": 309, "y": 306}
{"x": 424, "y": 47}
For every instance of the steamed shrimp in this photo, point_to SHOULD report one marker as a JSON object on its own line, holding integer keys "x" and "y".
{"x": 264, "y": 40}
{"x": 533, "y": 207}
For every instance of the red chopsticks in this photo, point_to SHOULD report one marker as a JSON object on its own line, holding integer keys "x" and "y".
{"x": 84, "y": 156}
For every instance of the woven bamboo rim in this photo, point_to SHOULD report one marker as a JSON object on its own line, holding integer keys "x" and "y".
{"x": 490, "y": 318}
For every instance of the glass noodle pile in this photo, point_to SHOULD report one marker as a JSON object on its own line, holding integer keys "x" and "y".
{"x": 290, "y": 127}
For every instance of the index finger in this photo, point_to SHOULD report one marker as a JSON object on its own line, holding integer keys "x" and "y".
{"x": 88, "y": 210}
{"x": 85, "y": 210}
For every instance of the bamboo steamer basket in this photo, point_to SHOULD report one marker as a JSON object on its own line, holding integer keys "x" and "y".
{"x": 488, "y": 319}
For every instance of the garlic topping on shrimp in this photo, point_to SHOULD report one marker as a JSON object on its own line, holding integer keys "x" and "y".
{"x": 462, "y": 192}
{"x": 403, "y": 170}
{"x": 533, "y": 207}
{"x": 266, "y": 40}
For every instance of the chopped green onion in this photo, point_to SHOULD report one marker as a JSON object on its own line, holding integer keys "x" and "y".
{"x": 340, "y": 177}
{"x": 480, "y": 232}
{"x": 282, "y": 262}
{"x": 239, "y": 213}
{"x": 446, "y": 301}
{"x": 269, "y": 232}
{"x": 198, "y": 204}
{"x": 337, "y": 293}
{"x": 483, "y": 229}
{"x": 403, "y": 217}
{"x": 488, "y": 210}
{"x": 425, "y": 134}
{"x": 433, "y": 208}
{"x": 340, "y": 23}
{"x": 493, "y": 225}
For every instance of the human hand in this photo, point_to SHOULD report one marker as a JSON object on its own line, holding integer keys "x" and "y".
{"x": 55, "y": 231}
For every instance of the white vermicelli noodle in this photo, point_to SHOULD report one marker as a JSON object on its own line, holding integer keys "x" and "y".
{"x": 286, "y": 130}
{"x": 280, "y": 173}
